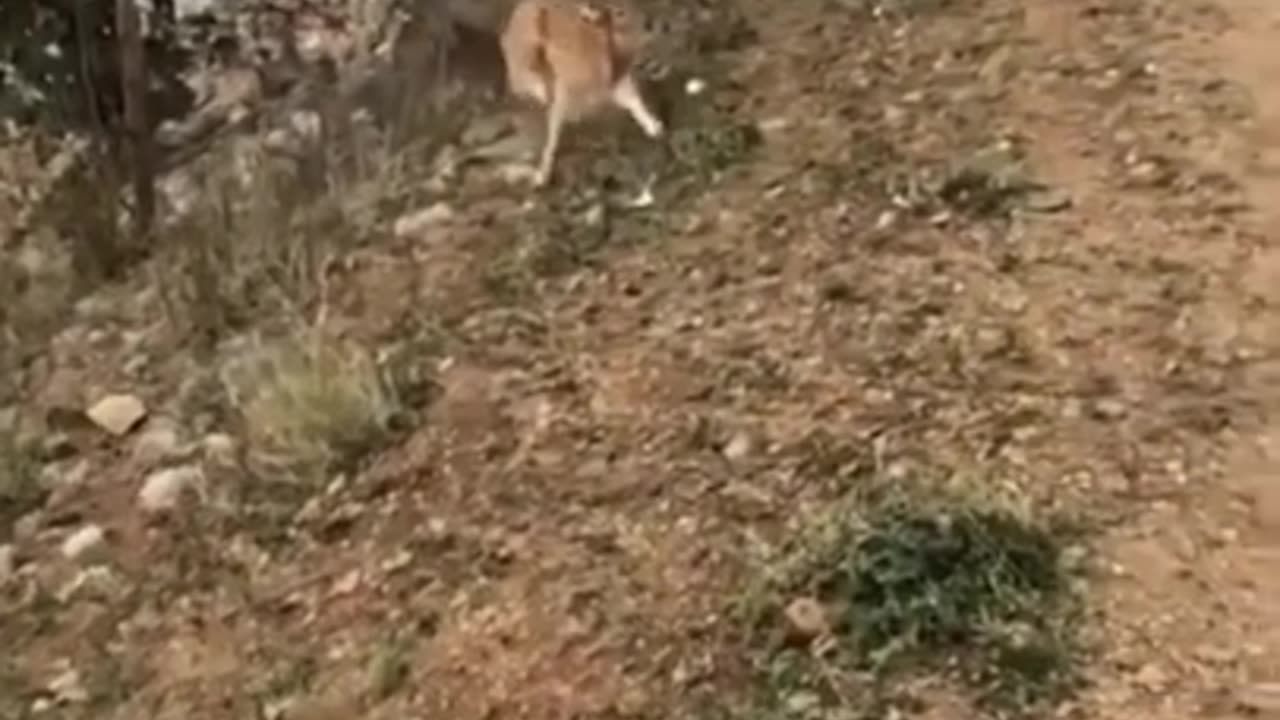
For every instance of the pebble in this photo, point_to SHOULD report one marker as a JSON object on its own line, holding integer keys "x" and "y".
{"x": 160, "y": 441}
{"x": 417, "y": 223}
{"x": 8, "y": 564}
{"x": 117, "y": 414}
{"x": 738, "y": 447}
{"x": 83, "y": 543}
{"x": 1152, "y": 678}
{"x": 806, "y": 618}
{"x": 1261, "y": 697}
{"x": 163, "y": 489}
{"x": 220, "y": 449}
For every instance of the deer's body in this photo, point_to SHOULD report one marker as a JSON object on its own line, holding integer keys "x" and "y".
{"x": 574, "y": 58}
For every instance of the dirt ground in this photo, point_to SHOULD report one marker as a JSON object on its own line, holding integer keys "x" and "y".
{"x": 613, "y": 442}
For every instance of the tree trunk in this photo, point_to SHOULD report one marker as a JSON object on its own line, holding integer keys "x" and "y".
{"x": 133, "y": 80}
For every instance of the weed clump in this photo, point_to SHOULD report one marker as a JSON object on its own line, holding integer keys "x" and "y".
{"x": 311, "y": 404}
{"x": 20, "y": 490}
{"x": 918, "y": 580}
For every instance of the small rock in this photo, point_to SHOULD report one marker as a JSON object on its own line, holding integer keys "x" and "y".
{"x": 483, "y": 131}
{"x": 514, "y": 173}
{"x": 219, "y": 449}
{"x": 97, "y": 583}
{"x": 99, "y": 338}
{"x": 117, "y": 414}
{"x": 63, "y": 483}
{"x": 1260, "y": 697}
{"x": 1048, "y": 201}
{"x": 802, "y": 702}
{"x": 346, "y": 584}
{"x": 738, "y": 447}
{"x": 8, "y": 564}
{"x": 68, "y": 688}
{"x": 1110, "y": 409}
{"x": 1151, "y": 678}
{"x": 161, "y": 441}
{"x": 132, "y": 341}
{"x": 136, "y": 365}
{"x": 419, "y": 222}
{"x": 84, "y": 543}
{"x": 163, "y": 489}
{"x": 747, "y": 499}
{"x": 1216, "y": 655}
{"x": 1145, "y": 173}
{"x": 26, "y": 527}
{"x": 806, "y": 618}
{"x": 93, "y": 307}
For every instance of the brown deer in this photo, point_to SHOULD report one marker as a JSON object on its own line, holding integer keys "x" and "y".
{"x": 574, "y": 57}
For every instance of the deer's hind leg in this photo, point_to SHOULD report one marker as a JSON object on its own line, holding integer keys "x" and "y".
{"x": 556, "y": 116}
{"x": 626, "y": 95}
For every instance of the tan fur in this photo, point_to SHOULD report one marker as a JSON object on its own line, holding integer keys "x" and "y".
{"x": 573, "y": 57}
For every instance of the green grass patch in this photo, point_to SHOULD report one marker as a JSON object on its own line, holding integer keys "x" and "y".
{"x": 919, "y": 579}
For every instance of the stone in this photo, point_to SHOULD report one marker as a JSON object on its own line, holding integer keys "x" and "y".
{"x": 8, "y": 563}
{"x": 85, "y": 543}
{"x": 26, "y": 527}
{"x": 1260, "y": 697}
{"x": 1152, "y": 678}
{"x": 117, "y": 414}
{"x": 419, "y": 222}
{"x": 738, "y": 447}
{"x": 163, "y": 490}
{"x": 219, "y": 450}
{"x": 806, "y": 618}
{"x": 162, "y": 440}
{"x": 68, "y": 688}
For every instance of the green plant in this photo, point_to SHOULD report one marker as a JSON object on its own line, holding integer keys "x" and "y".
{"x": 20, "y": 491}
{"x": 920, "y": 576}
{"x": 311, "y": 403}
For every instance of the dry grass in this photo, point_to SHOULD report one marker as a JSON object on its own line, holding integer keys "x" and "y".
{"x": 310, "y": 403}
{"x": 20, "y": 491}
{"x": 266, "y": 225}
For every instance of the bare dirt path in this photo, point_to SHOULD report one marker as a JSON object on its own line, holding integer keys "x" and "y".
{"x": 1246, "y": 52}
{"x": 1193, "y": 611}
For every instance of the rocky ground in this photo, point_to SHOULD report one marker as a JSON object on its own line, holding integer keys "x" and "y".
{"x": 423, "y": 443}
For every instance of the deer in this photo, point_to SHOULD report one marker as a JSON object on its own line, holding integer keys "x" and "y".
{"x": 574, "y": 59}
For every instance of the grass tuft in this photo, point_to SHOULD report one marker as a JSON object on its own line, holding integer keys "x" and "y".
{"x": 311, "y": 404}
{"x": 916, "y": 578}
{"x": 20, "y": 490}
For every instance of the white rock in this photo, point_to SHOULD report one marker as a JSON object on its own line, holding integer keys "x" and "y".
{"x": 220, "y": 450}
{"x": 84, "y": 543}
{"x": 186, "y": 8}
{"x": 1261, "y": 697}
{"x": 163, "y": 489}
{"x": 7, "y": 563}
{"x": 68, "y": 688}
{"x": 738, "y": 447}
{"x": 117, "y": 414}
{"x": 26, "y": 527}
{"x": 417, "y": 223}
{"x": 161, "y": 441}
{"x": 96, "y": 583}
